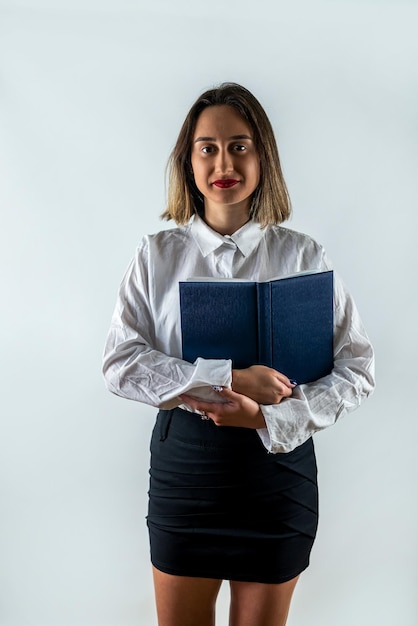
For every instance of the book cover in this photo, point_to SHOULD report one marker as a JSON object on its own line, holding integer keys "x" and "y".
{"x": 284, "y": 323}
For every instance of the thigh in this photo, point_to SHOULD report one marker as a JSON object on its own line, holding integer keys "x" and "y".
{"x": 185, "y": 600}
{"x": 260, "y": 604}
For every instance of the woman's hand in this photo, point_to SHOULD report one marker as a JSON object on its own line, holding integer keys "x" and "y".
{"x": 234, "y": 409}
{"x": 263, "y": 384}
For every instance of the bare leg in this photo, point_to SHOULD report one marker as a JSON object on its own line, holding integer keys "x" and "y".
{"x": 184, "y": 600}
{"x": 258, "y": 604}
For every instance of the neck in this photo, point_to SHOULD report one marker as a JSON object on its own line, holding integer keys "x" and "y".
{"x": 226, "y": 221}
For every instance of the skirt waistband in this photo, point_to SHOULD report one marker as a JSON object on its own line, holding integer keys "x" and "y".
{"x": 190, "y": 427}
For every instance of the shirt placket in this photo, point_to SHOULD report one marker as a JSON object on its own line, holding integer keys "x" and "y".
{"x": 224, "y": 262}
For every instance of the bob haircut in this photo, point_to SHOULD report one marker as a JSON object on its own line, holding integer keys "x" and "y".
{"x": 270, "y": 202}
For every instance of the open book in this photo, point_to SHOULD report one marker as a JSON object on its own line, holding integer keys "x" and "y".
{"x": 284, "y": 323}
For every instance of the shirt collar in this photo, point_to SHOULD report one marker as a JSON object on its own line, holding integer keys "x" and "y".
{"x": 246, "y": 238}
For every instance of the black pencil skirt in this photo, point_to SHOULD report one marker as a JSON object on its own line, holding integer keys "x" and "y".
{"x": 221, "y": 506}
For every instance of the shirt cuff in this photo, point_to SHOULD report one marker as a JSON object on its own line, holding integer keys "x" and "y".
{"x": 207, "y": 373}
{"x": 264, "y": 435}
{"x": 280, "y": 434}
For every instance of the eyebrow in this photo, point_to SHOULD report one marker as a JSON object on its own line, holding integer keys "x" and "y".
{"x": 234, "y": 137}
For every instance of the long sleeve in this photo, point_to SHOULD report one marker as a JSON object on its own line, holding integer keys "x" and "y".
{"x": 317, "y": 405}
{"x": 143, "y": 353}
{"x": 135, "y": 366}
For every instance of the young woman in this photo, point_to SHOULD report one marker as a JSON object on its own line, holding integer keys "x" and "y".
{"x": 233, "y": 491}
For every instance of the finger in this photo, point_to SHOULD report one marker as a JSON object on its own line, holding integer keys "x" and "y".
{"x": 226, "y": 393}
{"x": 199, "y": 405}
{"x": 184, "y": 396}
{"x": 193, "y": 402}
{"x": 289, "y": 382}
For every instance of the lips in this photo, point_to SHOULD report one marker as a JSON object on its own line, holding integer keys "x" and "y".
{"x": 225, "y": 183}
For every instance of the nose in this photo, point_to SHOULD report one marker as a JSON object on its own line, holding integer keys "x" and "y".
{"x": 224, "y": 161}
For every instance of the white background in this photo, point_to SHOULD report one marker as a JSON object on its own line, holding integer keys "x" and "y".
{"x": 92, "y": 97}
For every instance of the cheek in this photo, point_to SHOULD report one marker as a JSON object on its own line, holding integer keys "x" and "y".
{"x": 198, "y": 177}
{"x": 256, "y": 172}
{"x": 198, "y": 169}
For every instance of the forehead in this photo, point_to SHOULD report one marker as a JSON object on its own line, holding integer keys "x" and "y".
{"x": 221, "y": 120}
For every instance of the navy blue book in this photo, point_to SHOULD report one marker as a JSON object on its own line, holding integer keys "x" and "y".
{"x": 286, "y": 323}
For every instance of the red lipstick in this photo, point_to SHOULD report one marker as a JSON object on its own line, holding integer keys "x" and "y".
{"x": 225, "y": 183}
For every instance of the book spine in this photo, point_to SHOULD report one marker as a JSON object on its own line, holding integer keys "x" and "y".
{"x": 265, "y": 352}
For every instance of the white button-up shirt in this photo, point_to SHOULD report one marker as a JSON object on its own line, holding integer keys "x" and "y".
{"x": 143, "y": 354}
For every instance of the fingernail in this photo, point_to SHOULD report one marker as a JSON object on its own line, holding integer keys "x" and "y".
{"x": 293, "y": 382}
{"x": 217, "y": 388}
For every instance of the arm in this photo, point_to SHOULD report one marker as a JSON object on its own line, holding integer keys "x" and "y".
{"x": 297, "y": 414}
{"x": 135, "y": 364}
{"x": 263, "y": 384}
{"x": 232, "y": 409}
{"x": 239, "y": 406}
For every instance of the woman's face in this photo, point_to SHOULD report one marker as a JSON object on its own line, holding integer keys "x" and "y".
{"x": 225, "y": 163}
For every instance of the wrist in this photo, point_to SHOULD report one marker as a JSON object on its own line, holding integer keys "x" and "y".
{"x": 260, "y": 420}
{"x": 236, "y": 382}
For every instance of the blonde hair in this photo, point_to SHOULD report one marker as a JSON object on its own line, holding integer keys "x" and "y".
{"x": 270, "y": 202}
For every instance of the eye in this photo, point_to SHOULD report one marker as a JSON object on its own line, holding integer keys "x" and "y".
{"x": 239, "y": 147}
{"x": 207, "y": 149}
